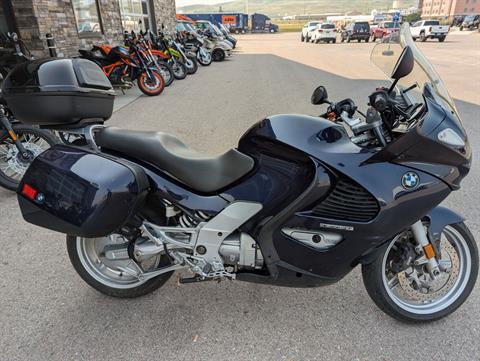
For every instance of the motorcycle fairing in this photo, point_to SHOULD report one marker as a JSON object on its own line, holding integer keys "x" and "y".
{"x": 334, "y": 157}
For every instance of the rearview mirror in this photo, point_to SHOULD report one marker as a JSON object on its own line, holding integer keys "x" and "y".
{"x": 319, "y": 95}
{"x": 404, "y": 64}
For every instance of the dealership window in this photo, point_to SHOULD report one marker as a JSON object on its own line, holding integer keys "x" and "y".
{"x": 135, "y": 15}
{"x": 87, "y": 17}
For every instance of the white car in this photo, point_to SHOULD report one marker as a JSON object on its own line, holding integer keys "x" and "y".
{"x": 307, "y": 30}
{"x": 324, "y": 32}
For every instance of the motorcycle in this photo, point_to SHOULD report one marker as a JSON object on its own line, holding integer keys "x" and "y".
{"x": 125, "y": 64}
{"x": 193, "y": 43}
{"x": 14, "y": 52}
{"x": 218, "y": 48}
{"x": 159, "y": 63}
{"x": 301, "y": 202}
{"x": 162, "y": 49}
{"x": 189, "y": 60}
{"x": 19, "y": 145}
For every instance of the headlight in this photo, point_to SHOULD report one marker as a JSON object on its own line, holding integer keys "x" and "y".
{"x": 450, "y": 137}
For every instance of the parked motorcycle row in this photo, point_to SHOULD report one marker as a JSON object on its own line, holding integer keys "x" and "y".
{"x": 150, "y": 61}
{"x": 154, "y": 61}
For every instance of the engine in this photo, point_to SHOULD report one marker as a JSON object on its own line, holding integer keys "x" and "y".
{"x": 239, "y": 250}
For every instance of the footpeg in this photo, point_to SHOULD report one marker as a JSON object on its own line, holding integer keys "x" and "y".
{"x": 193, "y": 280}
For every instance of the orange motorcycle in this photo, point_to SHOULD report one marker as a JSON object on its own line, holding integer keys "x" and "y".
{"x": 123, "y": 65}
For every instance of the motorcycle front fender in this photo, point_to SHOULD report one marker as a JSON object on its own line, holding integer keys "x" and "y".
{"x": 440, "y": 217}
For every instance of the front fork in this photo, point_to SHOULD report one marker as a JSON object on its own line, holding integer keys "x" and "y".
{"x": 424, "y": 246}
{"x": 11, "y": 133}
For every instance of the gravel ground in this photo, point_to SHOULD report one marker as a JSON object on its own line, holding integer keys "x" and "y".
{"x": 49, "y": 313}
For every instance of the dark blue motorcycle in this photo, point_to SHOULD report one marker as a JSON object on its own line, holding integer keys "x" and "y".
{"x": 301, "y": 202}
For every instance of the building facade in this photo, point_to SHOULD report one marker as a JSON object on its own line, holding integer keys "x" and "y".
{"x": 447, "y": 8}
{"x": 77, "y": 24}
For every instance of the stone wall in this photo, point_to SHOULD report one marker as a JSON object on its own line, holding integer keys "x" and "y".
{"x": 27, "y": 25}
{"x": 36, "y": 18}
{"x": 165, "y": 12}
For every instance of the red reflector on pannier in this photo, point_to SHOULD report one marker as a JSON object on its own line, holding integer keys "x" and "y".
{"x": 29, "y": 192}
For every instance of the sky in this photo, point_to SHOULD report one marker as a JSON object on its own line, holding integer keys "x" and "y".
{"x": 196, "y": 2}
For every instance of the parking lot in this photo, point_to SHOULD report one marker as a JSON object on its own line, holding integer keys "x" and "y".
{"x": 49, "y": 313}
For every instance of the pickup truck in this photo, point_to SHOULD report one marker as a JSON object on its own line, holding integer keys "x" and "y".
{"x": 385, "y": 29}
{"x": 429, "y": 29}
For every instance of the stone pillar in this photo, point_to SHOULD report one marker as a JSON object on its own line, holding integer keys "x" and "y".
{"x": 165, "y": 11}
{"x": 27, "y": 24}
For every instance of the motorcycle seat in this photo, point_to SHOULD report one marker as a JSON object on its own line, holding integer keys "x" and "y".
{"x": 199, "y": 172}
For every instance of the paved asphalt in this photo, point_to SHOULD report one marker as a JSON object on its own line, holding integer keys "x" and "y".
{"x": 48, "y": 313}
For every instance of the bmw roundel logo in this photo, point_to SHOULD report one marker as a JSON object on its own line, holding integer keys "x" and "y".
{"x": 410, "y": 180}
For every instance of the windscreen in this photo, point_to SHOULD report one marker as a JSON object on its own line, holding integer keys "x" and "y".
{"x": 362, "y": 27}
{"x": 385, "y": 56}
{"x": 328, "y": 26}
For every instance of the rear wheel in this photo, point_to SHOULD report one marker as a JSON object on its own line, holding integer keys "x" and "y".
{"x": 406, "y": 291}
{"x": 151, "y": 86}
{"x": 302, "y": 38}
{"x": 13, "y": 164}
{"x": 441, "y": 39}
{"x": 115, "y": 278}
{"x": 423, "y": 38}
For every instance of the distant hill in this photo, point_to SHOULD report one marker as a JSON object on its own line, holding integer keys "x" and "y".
{"x": 279, "y": 8}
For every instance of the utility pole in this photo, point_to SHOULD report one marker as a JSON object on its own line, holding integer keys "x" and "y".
{"x": 246, "y": 7}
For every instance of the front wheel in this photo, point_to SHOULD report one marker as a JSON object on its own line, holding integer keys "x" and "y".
{"x": 218, "y": 55}
{"x": 191, "y": 65}
{"x": 116, "y": 278}
{"x": 406, "y": 291}
{"x": 167, "y": 73}
{"x": 204, "y": 58}
{"x": 13, "y": 164}
{"x": 151, "y": 86}
{"x": 179, "y": 70}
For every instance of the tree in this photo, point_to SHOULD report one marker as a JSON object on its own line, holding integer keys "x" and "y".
{"x": 411, "y": 18}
